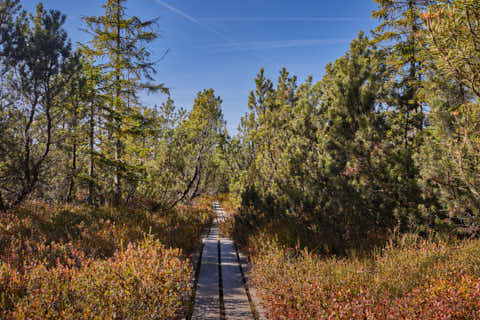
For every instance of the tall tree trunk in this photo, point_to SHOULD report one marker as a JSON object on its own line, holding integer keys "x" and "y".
{"x": 117, "y": 177}
{"x": 118, "y": 142}
{"x": 412, "y": 105}
{"x": 414, "y": 74}
{"x": 91, "y": 172}
{"x": 71, "y": 185}
{"x": 73, "y": 168}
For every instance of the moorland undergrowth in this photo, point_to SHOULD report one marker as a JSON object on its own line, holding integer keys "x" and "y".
{"x": 66, "y": 262}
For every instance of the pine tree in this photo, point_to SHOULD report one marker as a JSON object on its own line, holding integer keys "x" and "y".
{"x": 37, "y": 58}
{"x": 9, "y": 22}
{"x": 450, "y": 158}
{"x": 10, "y": 18}
{"x": 202, "y": 129}
{"x": 267, "y": 126}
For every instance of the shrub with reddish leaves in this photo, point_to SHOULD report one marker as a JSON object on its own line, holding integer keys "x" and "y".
{"x": 146, "y": 281}
{"x": 414, "y": 280}
{"x": 96, "y": 263}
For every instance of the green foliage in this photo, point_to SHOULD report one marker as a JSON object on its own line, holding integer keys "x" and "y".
{"x": 180, "y": 151}
{"x": 203, "y": 131}
{"x": 450, "y": 158}
{"x": 36, "y": 66}
{"x": 354, "y": 155}
{"x": 323, "y": 154}
{"x": 119, "y": 47}
{"x": 451, "y": 40}
{"x": 73, "y": 129}
{"x": 401, "y": 29}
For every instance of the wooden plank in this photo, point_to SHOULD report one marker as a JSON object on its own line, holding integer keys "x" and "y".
{"x": 207, "y": 298}
{"x": 207, "y": 301}
{"x": 235, "y": 298}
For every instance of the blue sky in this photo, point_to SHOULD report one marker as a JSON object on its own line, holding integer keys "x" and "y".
{"x": 222, "y": 44}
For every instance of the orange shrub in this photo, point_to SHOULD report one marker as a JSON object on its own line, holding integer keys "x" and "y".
{"x": 415, "y": 280}
{"x": 70, "y": 262}
{"x": 146, "y": 281}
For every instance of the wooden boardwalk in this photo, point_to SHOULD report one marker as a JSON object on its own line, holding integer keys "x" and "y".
{"x": 220, "y": 290}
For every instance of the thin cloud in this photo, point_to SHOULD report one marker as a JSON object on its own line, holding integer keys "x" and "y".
{"x": 281, "y": 44}
{"x": 279, "y": 19}
{"x": 196, "y": 21}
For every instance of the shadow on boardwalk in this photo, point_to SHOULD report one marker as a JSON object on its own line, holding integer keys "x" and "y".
{"x": 208, "y": 298}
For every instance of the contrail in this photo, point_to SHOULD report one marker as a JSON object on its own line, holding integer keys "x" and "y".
{"x": 196, "y": 21}
{"x": 280, "y": 19}
{"x": 261, "y": 45}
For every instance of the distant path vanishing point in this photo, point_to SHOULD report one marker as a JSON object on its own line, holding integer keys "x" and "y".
{"x": 221, "y": 291}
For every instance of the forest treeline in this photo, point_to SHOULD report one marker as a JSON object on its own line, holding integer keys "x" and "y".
{"x": 388, "y": 140}
{"x": 73, "y": 128}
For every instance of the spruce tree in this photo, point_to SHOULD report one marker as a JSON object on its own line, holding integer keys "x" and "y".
{"x": 120, "y": 48}
{"x": 400, "y": 28}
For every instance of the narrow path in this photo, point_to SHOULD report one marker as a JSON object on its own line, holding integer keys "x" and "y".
{"x": 207, "y": 301}
{"x": 220, "y": 290}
